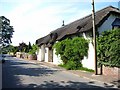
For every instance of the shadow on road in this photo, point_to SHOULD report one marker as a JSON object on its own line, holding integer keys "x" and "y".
{"x": 11, "y": 70}
{"x": 52, "y": 85}
{"x": 12, "y": 82}
{"x": 17, "y": 69}
{"x": 117, "y": 83}
{"x": 66, "y": 85}
{"x": 70, "y": 85}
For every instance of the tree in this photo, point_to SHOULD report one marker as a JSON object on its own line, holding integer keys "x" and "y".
{"x": 29, "y": 46}
{"x": 23, "y": 47}
{"x": 11, "y": 49}
{"x": 6, "y": 32}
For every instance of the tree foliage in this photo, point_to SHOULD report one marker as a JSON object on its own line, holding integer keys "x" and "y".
{"x": 29, "y": 46}
{"x": 72, "y": 51}
{"x": 6, "y": 32}
{"x": 10, "y": 49}
{"x": 23, "y": 47}
{"x": 108, "y": 48}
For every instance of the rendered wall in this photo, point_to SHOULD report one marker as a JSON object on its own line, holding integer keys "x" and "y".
{"x": 39, "y": 55}
{"x": 56, "y": 59}
{"x": 46, "y": 54}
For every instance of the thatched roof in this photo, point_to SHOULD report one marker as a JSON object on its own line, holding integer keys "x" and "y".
{"x": 83, "y": 24}
{"x": 43, "y": 40}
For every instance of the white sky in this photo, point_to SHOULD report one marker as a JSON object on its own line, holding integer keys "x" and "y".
{"x": 33, "y": 19}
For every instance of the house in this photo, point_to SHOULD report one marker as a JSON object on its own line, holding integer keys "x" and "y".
{"x": 105, "y": 19}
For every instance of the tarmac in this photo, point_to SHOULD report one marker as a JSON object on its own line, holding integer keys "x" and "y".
{"x": 113, "y": 81}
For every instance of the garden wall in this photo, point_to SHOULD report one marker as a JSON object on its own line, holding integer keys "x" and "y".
{"x": 111, "y": 71}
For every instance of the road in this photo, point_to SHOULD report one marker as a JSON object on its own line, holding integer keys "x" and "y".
{"x": 25, "y": 74}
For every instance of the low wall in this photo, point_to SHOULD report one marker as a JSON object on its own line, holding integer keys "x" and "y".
{"x": 26, "y": 56}
{"x": 111, "y": 71}
{"x": 18, "y": 54}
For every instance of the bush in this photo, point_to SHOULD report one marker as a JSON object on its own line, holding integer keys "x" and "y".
{"x": 108, "y": 48}
{"x": 71, "y": 65}
{"x": 33, "y": 50}
{"x": 72, "y": 51}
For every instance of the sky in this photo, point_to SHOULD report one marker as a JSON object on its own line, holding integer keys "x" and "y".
{"x": 33, "y": 19}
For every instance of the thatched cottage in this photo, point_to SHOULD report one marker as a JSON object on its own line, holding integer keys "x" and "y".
{"x": 105, "y": 19}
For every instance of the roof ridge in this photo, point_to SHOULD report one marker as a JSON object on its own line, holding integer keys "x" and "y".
{"x": 110, "y": 6}
{"x": 107, "y": 8}
{"x": 114, "y": 7}
{"x": 105, "y": 11}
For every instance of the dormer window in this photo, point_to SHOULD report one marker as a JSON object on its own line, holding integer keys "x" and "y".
{"x": 116, "y": 23}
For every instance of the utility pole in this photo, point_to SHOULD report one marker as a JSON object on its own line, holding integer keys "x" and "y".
{"x": 119, "y": 5}
{"x": 94, "y": 36}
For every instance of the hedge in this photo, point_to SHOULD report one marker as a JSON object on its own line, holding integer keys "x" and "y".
{"x": 108, "y": 48}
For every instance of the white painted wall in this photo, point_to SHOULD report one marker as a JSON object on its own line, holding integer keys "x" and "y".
{"x": 89, "y": 61}
{"x": 43, "y": 52}
{"x": 56, "y": 59}
{"x": 46, "y": 54}
{"x": 39, "y": 55}
{"x": 107, "y": 25}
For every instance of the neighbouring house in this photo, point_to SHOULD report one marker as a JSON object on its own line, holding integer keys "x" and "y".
{"x": 105, "y": 19}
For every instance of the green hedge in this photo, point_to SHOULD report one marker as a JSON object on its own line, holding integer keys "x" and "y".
{"x": 108, "y": 48}
{"x": 72, "y": 51}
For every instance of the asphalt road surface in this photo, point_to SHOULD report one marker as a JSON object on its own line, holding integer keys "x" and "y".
{"x": 18, "y": 73}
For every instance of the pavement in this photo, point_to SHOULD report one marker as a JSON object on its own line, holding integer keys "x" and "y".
{"x": 113, "y": 81}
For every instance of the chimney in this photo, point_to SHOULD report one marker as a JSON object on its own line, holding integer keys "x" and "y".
{"x": 63, "y": 23}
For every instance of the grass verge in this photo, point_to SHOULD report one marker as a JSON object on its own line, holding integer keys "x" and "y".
{"x": 80, "y": 68}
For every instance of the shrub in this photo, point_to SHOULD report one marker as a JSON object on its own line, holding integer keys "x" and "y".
{"x": 72, "y": 51}
{"x": 33, "y": 50}
{"x": 108, "y": 48}
{"x": 72, "y": 65}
